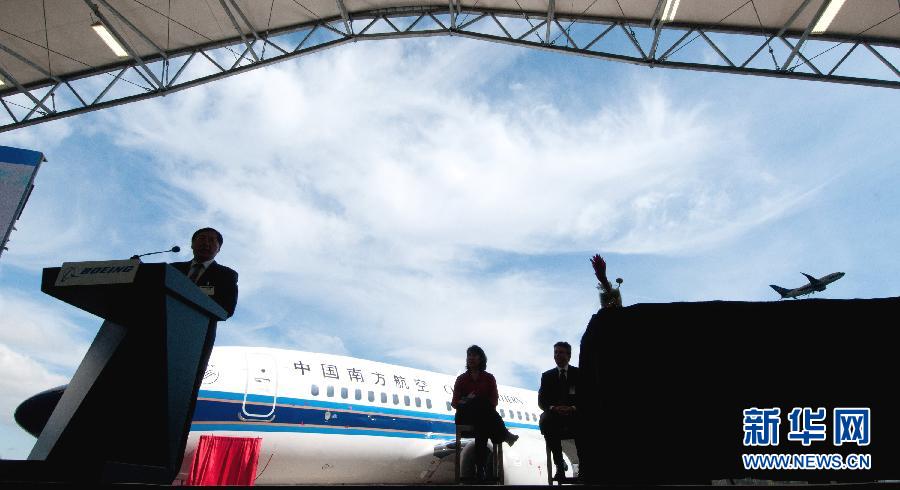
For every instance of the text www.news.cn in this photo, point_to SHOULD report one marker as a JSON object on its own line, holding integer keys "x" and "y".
{"x": 807, "y": 461}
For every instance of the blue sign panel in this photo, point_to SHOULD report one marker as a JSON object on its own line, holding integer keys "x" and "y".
{"x": 17, "y": 170}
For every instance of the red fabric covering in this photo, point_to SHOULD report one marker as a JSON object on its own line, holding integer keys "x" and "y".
{"x": 221, "y": 460}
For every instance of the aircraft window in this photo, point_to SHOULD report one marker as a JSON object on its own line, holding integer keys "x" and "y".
{"x": 418, "y": 402}
{"x": 520, "y": 415}
{"x": 314, "y": 389}
{"x": 502, "y": 413}
{"x": 527, "y": 417}
{"x": 396, "y": 400}
{"x": 383, "y": 397}
{"x": 406, "y": 400}
{"x": 428, "y": 402}
{"x": 358, "y": 394}
{"x": 372, "y": 396}
{"x": 344, "y": 393}
{"x": 330, "y": 391}
{"x": 534, "y": 417}
{"x": 449, "y": 407}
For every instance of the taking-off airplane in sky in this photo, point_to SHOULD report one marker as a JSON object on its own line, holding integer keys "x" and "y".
{"x": 327, "y": 419}
{"x": 813, "y": 286}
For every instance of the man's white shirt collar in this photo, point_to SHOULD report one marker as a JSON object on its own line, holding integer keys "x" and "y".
{"x": 205, "y": 264}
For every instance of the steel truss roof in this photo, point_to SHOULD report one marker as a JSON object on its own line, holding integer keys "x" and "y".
{"x": 52, "y": 64}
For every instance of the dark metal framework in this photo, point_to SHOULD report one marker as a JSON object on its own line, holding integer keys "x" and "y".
{"x": 653, "y": 44}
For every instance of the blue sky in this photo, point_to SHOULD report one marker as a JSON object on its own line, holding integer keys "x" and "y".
{"x": 401, "y": 200}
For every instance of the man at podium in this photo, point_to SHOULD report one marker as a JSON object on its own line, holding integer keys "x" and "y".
{"x": 154, "y": 345}
{"x": 216, "y": 280}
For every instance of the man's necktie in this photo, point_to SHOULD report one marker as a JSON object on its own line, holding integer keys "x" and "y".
{"x": 196, "y": 269}
{"x": 563, "y": 387}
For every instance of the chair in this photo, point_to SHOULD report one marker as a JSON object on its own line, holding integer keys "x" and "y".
{"x": 468, "y": 431}
{"x": 551, "y": 468}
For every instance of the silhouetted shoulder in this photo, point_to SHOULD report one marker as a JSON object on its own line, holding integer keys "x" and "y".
{"x": 225, "y": 271}
{"x": 233, "y": 273}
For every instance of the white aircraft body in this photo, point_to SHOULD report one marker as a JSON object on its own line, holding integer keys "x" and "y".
{"x": 813, "y": 286}
{"x": 327, "y": 419}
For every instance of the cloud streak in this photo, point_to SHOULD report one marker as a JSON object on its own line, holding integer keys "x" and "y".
{"x": 369, "y": 182}
{"x": 41, "y": 332}
{"x": 22, "y": 378}
{"x": 309, "y": 152}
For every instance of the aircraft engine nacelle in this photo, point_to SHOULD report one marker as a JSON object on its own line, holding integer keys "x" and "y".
{"x": 523, "y": 464}
{"x": 467, "y": 458}
{"x": 33, "y": 414}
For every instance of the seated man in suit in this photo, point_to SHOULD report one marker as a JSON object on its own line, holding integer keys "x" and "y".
{"x": 557, "y": 398}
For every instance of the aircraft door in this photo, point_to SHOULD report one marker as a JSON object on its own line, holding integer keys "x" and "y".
{"x": 262, "y": 388}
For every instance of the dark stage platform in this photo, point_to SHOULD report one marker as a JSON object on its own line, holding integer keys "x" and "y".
{"x": 664, "y": 388}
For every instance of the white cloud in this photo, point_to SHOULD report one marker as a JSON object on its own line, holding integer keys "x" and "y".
{"x": 367, "y": 181}
{"x": 74, "y": 212}
{"x": 333, "y": 151}
{"x": 283, "y": 331}
{"x": 43, "y": 137}
{"x": 514, "y": 317}
{"x": 22, "y": 378}
{"x": 40, "y": 332}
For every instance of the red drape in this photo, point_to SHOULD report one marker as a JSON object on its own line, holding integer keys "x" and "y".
{"x": 221, "y": 460}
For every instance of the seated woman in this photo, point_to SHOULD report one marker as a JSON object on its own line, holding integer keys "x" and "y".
{"x": 475, "y": 401}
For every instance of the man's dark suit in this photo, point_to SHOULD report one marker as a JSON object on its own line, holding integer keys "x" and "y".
{"x": 556, "y": 427}
{"x": 222, "y": 279}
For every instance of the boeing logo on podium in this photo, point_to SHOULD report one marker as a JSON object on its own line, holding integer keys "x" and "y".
{"x": 97, "y": 272}
{"x": 66, "y": 273}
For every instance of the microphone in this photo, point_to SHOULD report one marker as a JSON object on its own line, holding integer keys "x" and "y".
{"x": 175, "y": 248}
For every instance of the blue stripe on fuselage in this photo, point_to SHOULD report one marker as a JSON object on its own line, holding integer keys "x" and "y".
{"x": 218, "y": 408}
{"x": 257, "y": 427}
{"x": 359, "y": 407}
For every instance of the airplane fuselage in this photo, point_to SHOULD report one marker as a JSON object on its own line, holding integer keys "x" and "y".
{"x": 815, "y": 285}
{"x": 335, "y": 419}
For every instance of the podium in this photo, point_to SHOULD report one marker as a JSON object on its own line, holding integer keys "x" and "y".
{"x": 126, "y": 414}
